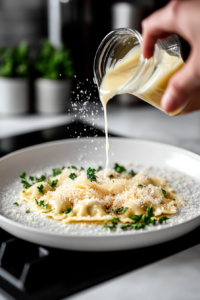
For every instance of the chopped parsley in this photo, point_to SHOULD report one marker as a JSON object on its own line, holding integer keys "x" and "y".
{"x": 133, "y": 226}
{"x": 147, "y": 219}
{"x": 46, "y": 212}
{"x": 114, "y": 224}
{"x": 57, "y": 171}
{"x": 119, "y": 211}
{"x": 163, "y": 219}
{"x": 34, "y": 180}
{"x": 53, "y": 183}
{"x": 141, "y": 185}
{"x": 26, "y": 184}
{"x": 99, "y": 168}
{"x": 67, "y": 211}
{"x": 174, "y": 199}
{"x": 163, "y": 191}
{"x": 132, "y": 173}
{"x": 141, "y": 221}
{"x": 91, "y": 174}
{"x": 27, "y": 211}
{"x": 82, "y": 169}
{"x": 41, "y": 203}
{"x": 136, "y": 218}
{"x": 40, "y": 189}
{"x": 111, "y": 176}
{"x": 23, "y": 176}
{"x": 15, "y": 203}
{"x": 73, "y": 167}
{"x": 72, "y": 176}
{"x": 119, "y": 169}
{"x": 40, "y": 179}
{"x": 23, "y": 191}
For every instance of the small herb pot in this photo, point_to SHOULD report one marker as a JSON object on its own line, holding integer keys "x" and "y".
{"x": 52, "y": 96}
{"x": 14, "y": 96}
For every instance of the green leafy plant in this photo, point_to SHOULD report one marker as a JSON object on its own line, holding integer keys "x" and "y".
{"x": 15, "y": 62}
{"x": 52, "y": 63}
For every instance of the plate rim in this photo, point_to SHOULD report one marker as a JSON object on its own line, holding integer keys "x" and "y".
{"x": 74, "y": 140}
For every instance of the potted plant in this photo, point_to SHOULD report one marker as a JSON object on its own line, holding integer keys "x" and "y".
{"x": 14, "y": 73}
{"x": 54, "y": 70}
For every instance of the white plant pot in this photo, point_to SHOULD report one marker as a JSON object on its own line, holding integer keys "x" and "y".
{"x": 14, "y": 96}
{"x": 52, "y": 96}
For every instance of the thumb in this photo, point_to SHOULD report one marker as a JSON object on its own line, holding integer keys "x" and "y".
{"x": 181, "y": 86}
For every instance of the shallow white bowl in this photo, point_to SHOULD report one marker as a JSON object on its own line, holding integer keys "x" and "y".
{"x": 81, "y": 153}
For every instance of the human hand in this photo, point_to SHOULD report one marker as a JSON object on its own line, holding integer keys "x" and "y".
{"x": 180, "y": 17}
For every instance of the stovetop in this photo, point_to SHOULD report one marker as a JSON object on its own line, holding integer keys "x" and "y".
{"x": 33, "y": 272}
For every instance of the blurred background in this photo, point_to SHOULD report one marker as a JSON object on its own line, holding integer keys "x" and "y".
{"x": 48, "y": 47}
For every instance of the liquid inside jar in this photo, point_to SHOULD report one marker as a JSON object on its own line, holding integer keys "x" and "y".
{"x": 115, "y": 78}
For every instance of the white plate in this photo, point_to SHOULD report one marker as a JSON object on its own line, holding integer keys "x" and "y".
{"x": 81, "y": 153}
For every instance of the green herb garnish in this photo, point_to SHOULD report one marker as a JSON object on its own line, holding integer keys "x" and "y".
{"x": 40, "y": 179}
{"x": 147, "y": 219}
{"x": 163, "y": 191}
{"x": 73, "y": 167}
{"x": 40, "y": 189}
{"x": 163, "y": 219}
{"x": 119, "y": 211}
{"x": 141, "y": 185}
{"x": 31, "y": 178}
{"x": 141, "y": 221}
{"x": 26, "y": 184}
{"x": 136, "y": 218}
{"x": 23, "y": 176}
{"x": 174, "y": 199}
{"x": 46, "y": 212}
{"x": 119, "y": 169}
{"x": 99, "y": 168}
{"x": 133, "y": 226}
{"x": 72, "y": 176}
{"x": 132, "y": 173}
{"x": 53, "y": 183}
{"x": 114, "y": 224}
{"x": 67, "y": 211}
{"x": 111, "y": 176}
{"x": 82, "y": 169}
{"x": 56, "y": 172}
{"x": 91, "y": 174}
{"x": 15, "y": 203}
{"x": 41, "y": 203}
{"x": 27, "y": 211}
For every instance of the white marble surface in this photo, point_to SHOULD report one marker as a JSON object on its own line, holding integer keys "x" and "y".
{"x": 176, "y": 277}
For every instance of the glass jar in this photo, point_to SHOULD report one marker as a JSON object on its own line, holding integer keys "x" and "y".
{"x": 149, "y": 79}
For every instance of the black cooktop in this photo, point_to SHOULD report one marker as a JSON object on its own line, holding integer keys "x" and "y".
{"x": 33, "y": 272}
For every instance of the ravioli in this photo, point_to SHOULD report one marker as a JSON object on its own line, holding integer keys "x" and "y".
{"x": 77, "y": 199}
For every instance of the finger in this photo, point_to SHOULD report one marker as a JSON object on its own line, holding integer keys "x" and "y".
{"x": 181, "y": 86}
{"x": 150, "y": 41}
{"x": 159, "y": 25}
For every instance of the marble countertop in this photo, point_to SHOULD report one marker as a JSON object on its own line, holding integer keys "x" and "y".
{"x": 176, "y": 277}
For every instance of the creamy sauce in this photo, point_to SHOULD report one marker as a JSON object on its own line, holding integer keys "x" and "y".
{"x": 118, "y": 76}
